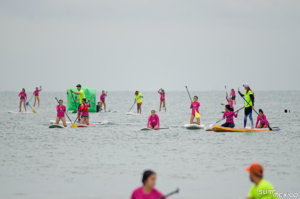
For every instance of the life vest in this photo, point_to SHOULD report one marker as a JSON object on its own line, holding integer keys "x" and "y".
{"x": 84, "y": 108}
{"x": 248, "y": 101}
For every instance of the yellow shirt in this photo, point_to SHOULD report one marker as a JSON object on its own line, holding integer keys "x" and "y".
{"x": 139, "y": 97}
{"x": 81, "y": 96}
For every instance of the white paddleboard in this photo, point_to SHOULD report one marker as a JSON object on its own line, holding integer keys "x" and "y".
{"x": 16, "y": 112}
{"x": 194, "y": 126}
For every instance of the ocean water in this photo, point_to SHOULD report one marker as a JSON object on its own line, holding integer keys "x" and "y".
{"x": 107, "y": 161}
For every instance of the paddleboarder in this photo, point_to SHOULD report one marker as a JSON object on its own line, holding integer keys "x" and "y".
{"x": 23, "y": 98}
{"x": 80, "y": 94}
{"x": 249, "y": 104}
{"x": 36, "y": 96}
{"x": 162, "y": 99}
{"x": 229, "y": 114}
{"x": 147, "y": 190}
{"x": 261, "y": 121}
{"x": 83, "y": 112}
{"x": 229, "y": 102}
{"x": 233, "y": 95}
{"x": 138, "y": 101}
{"x": 102, "y": 100}
{"x": 61, "y": 110}
{"x": 153, "y": 121}
{"x": 261, "y": 189}
{"x": 195, "y": 110}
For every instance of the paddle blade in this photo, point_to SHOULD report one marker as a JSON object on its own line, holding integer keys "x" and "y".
{"x": 74, "y": 125}
{"x": 197, "y": 115}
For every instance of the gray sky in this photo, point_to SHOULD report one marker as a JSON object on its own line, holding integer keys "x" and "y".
{"x": 148, "y": 44}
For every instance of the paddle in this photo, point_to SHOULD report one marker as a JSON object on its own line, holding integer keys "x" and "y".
{"x": 169, "y": 194}
{"x": 31, "y": 108}
{"x": 131, "y": 107}
{"x": 73, "y": 125}
{"x": 197, "y": 115}
{"x": 256, "y": 112}
{"x": 74, "y": 103}
{"x": 27, "y": 103}
{"x": 226, "y": 90}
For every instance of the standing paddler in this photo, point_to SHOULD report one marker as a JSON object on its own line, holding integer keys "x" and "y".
{"x": 80, "y": 94}
{"x": 138, "y": 101}
{"x": 249, "y": 104}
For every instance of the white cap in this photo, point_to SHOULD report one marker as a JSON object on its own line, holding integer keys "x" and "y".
{"x": 246, "y": 85}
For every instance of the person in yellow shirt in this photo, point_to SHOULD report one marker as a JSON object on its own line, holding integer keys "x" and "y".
{"x": 80, "y": 94}
{"x": 138, "y": 101}
{"x": 249, "y": 104}
{"x": 261, "y": 189}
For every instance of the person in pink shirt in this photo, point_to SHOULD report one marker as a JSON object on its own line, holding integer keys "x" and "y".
{"x": 232, "y": 95}
{"x": 162, "y": 99}
{"x": 61, "y": 110}
{"x": 102, "y": 100}
{"x": 147, "y": 191}
{"x": 195, "y": 108}
{"x": 229, "y": 114}
{"x": 153, "y": 121}
{"x": 36, "y": 96}
{"x": 261, "y": 121}
{"x": 23, "y": 98}
{"x": 83, "y": 112}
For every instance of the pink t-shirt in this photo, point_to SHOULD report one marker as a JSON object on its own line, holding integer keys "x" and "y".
{"x": 263, "y": 122}
{"x": 139, "y": 194}
{"x": 162, "y": 96}
{"x": 153, "y": 121}
{"x": 36, "y": 92}
{"x": 232, "y": 93}
{"x": 230, "y": 102}
{"x": 22, "y": 96}
{"x": 102, "y": 97}
{"x": 195, "y": 106}
{"x": 229, "y": 116}
{"x": 61, "y": 110}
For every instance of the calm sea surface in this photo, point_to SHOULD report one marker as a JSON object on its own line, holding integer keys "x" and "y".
{"x": 107, "y": 161}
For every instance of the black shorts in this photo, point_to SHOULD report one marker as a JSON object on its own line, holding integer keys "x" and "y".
{"x": 233, "y": 97}
{"x": 248, "y": 110}
{"x": 229, "y": 125}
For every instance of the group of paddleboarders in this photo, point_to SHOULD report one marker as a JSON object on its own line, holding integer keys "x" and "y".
{"x": 153, "y": 120}
{"x": 23, "y": 98}
{"x": 83, "y": 107}
{"x": 249, "y": 99}
{"x": 261, "y": 189}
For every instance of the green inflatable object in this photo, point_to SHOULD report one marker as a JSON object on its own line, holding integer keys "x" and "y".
{"x": 90, "y": 94}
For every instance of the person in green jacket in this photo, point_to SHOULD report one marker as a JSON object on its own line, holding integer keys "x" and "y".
{"x": 261, "y": 189}
{"x": 249, "y": 104}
